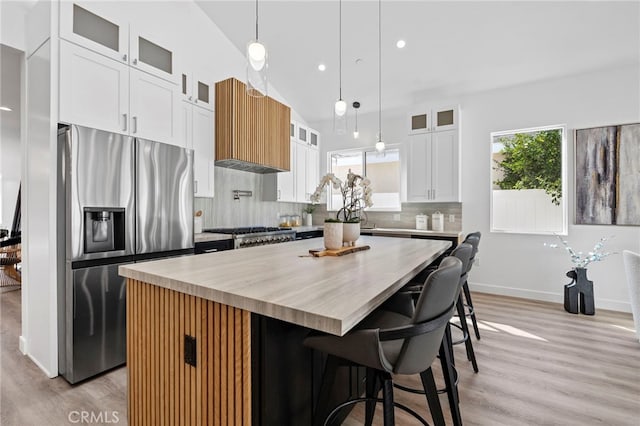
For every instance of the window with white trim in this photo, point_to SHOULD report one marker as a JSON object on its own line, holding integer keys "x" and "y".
{"x": 382, "y": 169}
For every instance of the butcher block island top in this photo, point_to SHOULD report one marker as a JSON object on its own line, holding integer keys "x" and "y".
{"x": 282, "y": 281}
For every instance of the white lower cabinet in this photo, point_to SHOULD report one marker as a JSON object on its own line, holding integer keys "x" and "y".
{"x": 433, "y": 167}
{"x": 197, "y": 133}
{"x": 102, "y": 93}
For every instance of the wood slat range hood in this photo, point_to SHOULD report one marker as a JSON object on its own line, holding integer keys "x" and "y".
{"x": 252, "y": 134}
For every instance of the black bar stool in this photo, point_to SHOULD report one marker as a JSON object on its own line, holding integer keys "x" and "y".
{"x": 395, "y": 339}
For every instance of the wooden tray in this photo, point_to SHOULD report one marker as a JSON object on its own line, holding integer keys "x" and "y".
{"x": 339, "y": 252}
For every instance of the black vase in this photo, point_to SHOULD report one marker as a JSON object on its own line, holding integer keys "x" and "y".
{"x": 578, "y": 294}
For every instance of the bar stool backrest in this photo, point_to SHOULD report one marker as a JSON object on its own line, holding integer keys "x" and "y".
{"x": 437, "y": 298}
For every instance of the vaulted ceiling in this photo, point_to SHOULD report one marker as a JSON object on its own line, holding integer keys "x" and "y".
{"x": 453, "y": 47}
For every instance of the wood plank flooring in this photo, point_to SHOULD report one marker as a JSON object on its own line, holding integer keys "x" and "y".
{"x": 538, "y": 366}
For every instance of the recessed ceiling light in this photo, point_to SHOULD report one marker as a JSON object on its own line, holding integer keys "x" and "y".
{"x": 400, "y": 44}
{"x": 4, "y": 108}
{"x": 322, "y": 67}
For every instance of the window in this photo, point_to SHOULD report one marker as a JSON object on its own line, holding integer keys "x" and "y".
{"x": 383, "y": 169}
{"x": 528, "y": 181}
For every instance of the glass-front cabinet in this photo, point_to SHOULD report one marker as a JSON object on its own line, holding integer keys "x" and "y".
{"x": 101, "y": 28}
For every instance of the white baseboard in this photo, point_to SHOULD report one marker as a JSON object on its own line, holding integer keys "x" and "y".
{"x": 41, "y": 367}
{"x": 22, "y": 345}
{"x": 613, "y": 305}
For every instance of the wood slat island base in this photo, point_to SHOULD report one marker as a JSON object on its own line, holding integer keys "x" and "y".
{"x": 163, "y": 388}
{"x": 249, "y": 311}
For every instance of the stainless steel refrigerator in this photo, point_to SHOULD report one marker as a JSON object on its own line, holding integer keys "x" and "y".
{"x": 120, "y": 200}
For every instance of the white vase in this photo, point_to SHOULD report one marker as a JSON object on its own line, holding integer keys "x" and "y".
{"x": 350, "y": 233}
{"x": 309, "y": 219}
{"x": 332, "y": 235}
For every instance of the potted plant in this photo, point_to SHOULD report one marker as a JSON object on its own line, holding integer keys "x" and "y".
{"x": 356, "y": 196}
{"x": 332, "y": 234}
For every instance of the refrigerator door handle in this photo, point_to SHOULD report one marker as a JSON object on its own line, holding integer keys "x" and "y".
{"x": 135, "y": 124}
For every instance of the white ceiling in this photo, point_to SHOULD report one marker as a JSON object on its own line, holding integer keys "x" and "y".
{"x": 452, "y": 47}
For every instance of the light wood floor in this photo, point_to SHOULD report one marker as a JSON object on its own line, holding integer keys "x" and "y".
{"x": 538, "y": 366}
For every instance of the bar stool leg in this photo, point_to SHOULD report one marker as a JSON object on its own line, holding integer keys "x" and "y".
{"x": 372, "y": 389}
{"x": 467, "y": 296}
{"x": 471, "y": 356}
{"x": 450, "y": 380}
{"x": 431, "y": 392}
{"x": 387, "y": 392}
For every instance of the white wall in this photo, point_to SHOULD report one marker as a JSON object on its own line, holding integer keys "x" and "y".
{"x": 10, "y": 84}
{"x": 12, "y": 22}
{"x": 518, "y": 264}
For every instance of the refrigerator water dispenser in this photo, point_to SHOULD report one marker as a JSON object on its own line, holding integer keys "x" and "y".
{"x": 104, "y": 229}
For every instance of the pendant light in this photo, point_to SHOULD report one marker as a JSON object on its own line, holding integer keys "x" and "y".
{"x": 356, "y": 133}
{"x": 340, "y": 107}
{"x": 379, "y": 143}
{"x": 257, "y": 65}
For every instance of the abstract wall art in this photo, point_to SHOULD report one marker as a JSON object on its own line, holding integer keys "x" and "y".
{"x": 608, "y": 175}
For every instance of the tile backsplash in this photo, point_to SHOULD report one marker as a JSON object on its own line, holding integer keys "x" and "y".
{"x": 406, "y": 218}
{"x": 224, "y": 211}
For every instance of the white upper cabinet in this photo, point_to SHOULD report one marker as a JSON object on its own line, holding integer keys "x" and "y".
{"x": 154, "y": 109}
{"x": 433, "y": 167}
{"x": 203, "y": 152}
{"x": 300, "y": 173}
{"x": 314, "y": 138}
{"x": 151, "y": 53}
{"x": 445, "y": 166}
{"x": 98, "y": 92}
{"x": 96, "y": 27}
{"x": 197, "y": 89}
{"x": 285, "y": 180}
{"x": 445, "y": 118}
{"x": 94, "y": 90}
{"x": 197, "y": 131}
{"x": 311, "y": 172}
{"x": 303, "y": 134}
{"x": 433, "y": 120}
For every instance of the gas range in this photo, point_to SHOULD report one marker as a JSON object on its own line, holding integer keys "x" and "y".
{"x": 251, "y": 236}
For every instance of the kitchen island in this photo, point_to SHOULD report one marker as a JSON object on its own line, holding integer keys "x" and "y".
{"x": 215, "y": 338}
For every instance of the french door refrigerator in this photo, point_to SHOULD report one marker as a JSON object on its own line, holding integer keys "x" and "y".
{"x": 120, "y": 200}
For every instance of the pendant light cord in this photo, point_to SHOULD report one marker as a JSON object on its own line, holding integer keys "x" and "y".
{"x": 340, "y": 48}
{"x": 379, "y": 71}
{"x": 256, "y": 20}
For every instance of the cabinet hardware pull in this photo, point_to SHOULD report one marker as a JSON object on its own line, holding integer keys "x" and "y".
{"x": 434, "y": 194}
{"x": 190, "y": 98}
{"x": 135, "y": 62}
{"x": 195, "y": 184}
{"x": 124, "y": 57}
{"x": 210, "y": 251}
{"x": 278, "y": 194}
{"x": 135, "y": 124}
{"x": 124, "y": 116}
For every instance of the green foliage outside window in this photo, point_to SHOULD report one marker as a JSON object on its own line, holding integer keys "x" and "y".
{"x": 532, "y": 161}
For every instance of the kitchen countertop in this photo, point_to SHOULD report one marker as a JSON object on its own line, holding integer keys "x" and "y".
{"x": 409, "y": 231}
{"x": 330, "y": 294}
